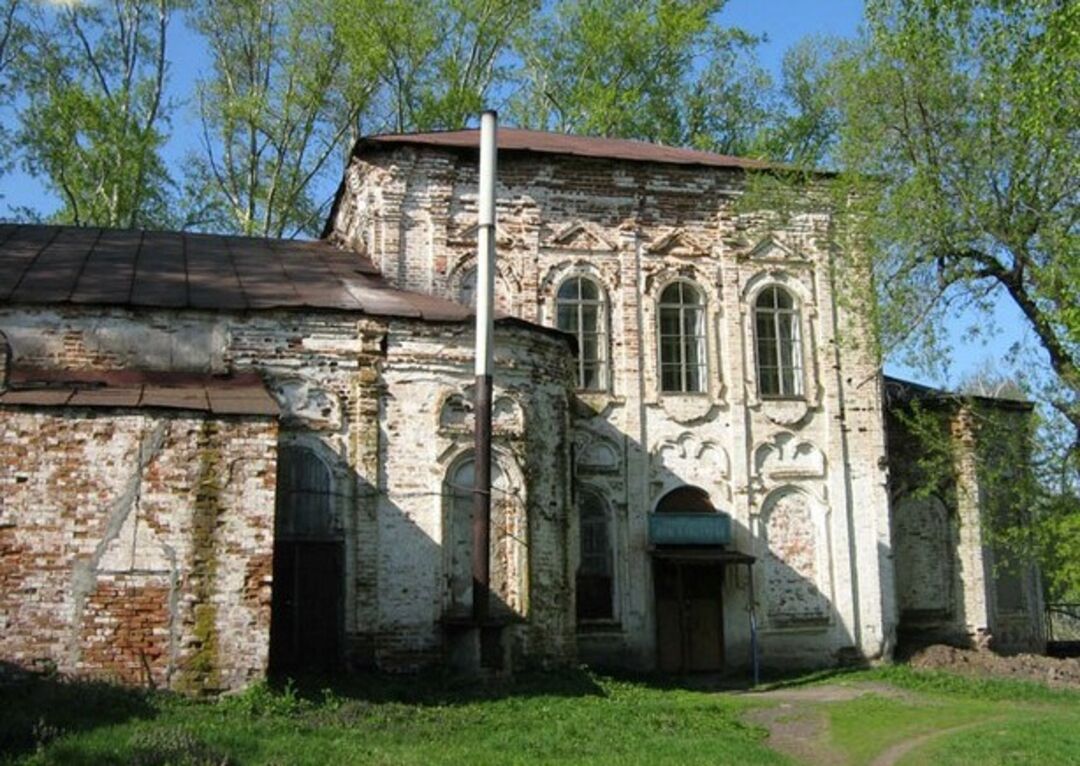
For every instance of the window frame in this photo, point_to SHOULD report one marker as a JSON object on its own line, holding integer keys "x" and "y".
{"x": 602, "y": 334}
{"x": 702, "y": 337}
{"x": 796, "y": 369}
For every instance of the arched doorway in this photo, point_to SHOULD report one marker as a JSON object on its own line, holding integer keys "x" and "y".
{"x": 306, "y": 624}
{"x": 689, "y": 593}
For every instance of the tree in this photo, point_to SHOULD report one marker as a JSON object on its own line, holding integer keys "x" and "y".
{"x": 93, "y": 76}
{"x": 961, "y": 150}
{"x": 436, "y": 64}
{"x": 279, "y": 106}
{"x": 804, "y": 121}
{"x": 620, "y": 68}
{"x": 12, "y": 36}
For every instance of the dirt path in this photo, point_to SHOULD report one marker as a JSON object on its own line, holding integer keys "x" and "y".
{"x": 892, "y": 755}
{"x": 799, "y": 724}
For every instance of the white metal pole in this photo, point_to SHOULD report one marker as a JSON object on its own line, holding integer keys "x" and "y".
{"x": 485, "y": 290}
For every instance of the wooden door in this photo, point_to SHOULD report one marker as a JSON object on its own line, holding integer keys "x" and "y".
{"x": 305, "y": 629}
{"x": 689, "y": 617}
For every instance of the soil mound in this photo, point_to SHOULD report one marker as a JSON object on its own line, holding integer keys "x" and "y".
{"x": 1058, "y": 673}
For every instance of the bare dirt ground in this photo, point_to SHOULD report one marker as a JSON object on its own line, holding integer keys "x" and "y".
{"x": 1058, "y": 673}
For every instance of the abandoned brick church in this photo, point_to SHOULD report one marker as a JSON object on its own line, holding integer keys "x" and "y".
{"x": 220, "y": 455}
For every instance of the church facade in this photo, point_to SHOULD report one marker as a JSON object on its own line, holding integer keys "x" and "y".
{"x": 691, "y": 448}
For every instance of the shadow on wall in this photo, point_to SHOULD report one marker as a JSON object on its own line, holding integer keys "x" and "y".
{"x": 361, "y": 582}
{"x": 798, "y": 622}
{"x": 37, "y": 708}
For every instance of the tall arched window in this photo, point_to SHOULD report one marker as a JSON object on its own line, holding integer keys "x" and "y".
{"x": 308, "y": 595}
{"x": 682, "y": 338}
{"x": 507, "y": 541}
{"x": 595, "y": 578}
{"x": 580, "y": 310}
{"x": 779, "y": 351}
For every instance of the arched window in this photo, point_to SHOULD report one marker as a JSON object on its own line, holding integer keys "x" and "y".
{"x": 466, "y": 291}
{"x": 580, "y": 310}
{"x": 595, "y": 569}
{"x": 506, "y": 540}
{"x": 308, "y": 595}
{"x": 686, "y": 500}
{"x": 779, "y": 351}
{"x": 304, "y": 499}
{"x": 682, "y": 338}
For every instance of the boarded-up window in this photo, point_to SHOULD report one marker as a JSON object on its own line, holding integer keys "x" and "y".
{"x": 507, "y": 542}
{"x": 792, "y": 569}
{"x": 594, "y": 575}
{"x": 922, "y": 555}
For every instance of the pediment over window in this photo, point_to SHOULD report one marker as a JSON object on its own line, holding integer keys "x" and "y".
{"x": 680, "y": 244}
{"x": 772, "y": 249}
{"x": 505, "y": 237}
{"x": 581, "y": 235}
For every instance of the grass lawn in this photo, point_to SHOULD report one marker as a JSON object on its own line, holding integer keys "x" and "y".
{"x": 565, "y": 718}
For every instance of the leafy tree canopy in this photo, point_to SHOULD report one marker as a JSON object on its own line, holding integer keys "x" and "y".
{"x": 961, "y": 147}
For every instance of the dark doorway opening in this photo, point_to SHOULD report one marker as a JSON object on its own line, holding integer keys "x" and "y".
{"x": 689, "y": 616}
{"x": 306, "y": 608}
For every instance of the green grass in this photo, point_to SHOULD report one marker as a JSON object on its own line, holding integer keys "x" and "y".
{"x": 568, "y": 718}
{"x": 560, "y": 718}
{"x": 1044, "y": 739}
{"x": 937, "y": 702}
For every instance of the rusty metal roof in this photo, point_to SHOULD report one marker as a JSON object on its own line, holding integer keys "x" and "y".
{"x": 236, "y": 394}
{"x": 160, "y": 269}
{"x": 519, "y": 140}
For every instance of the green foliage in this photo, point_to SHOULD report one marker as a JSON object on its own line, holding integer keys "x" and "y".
{"x": 12, "y": 37}
{"x": 962, "y": 156}
{"x": 93, "y": 77}
{"x": 276, "y": 112}
{"x": 432, "y": 64}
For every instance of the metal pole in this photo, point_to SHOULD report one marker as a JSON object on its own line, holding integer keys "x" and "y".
{"x": 753, "y": 628}
{"x": 485, "y": 289}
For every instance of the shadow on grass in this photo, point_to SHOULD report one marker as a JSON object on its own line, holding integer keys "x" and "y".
{"x": 438, "y": 687}
{"x": 39, "y": 708}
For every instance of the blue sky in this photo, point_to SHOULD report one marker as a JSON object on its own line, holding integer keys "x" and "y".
{"x": 782, "y": 22}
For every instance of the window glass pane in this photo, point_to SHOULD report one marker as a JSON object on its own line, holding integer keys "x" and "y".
{"x": 670, "y": 351}
{"x": 693, "y": 379}
{"x": 590, "y": 350}
{"x": 690, "y": 320}
{"x": 669, "y": 321}
{"x": 690, "y": 295}
{"x": 769, "y": 381}
{"x": 569, "y": 290}
{"x": 590, "y": 377}
{"x": 567, "y": 318}
{"x": 766, "y": 328}
{"x": 589, "y": 290}
{"x": 590, "y": 318}
{"x": 787, "y": 327}
{"x": 671, "y": 378}
{"x": 672, "y": 293}
{"x": 783, "y": 299}
{"x": 767, "y": 356}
